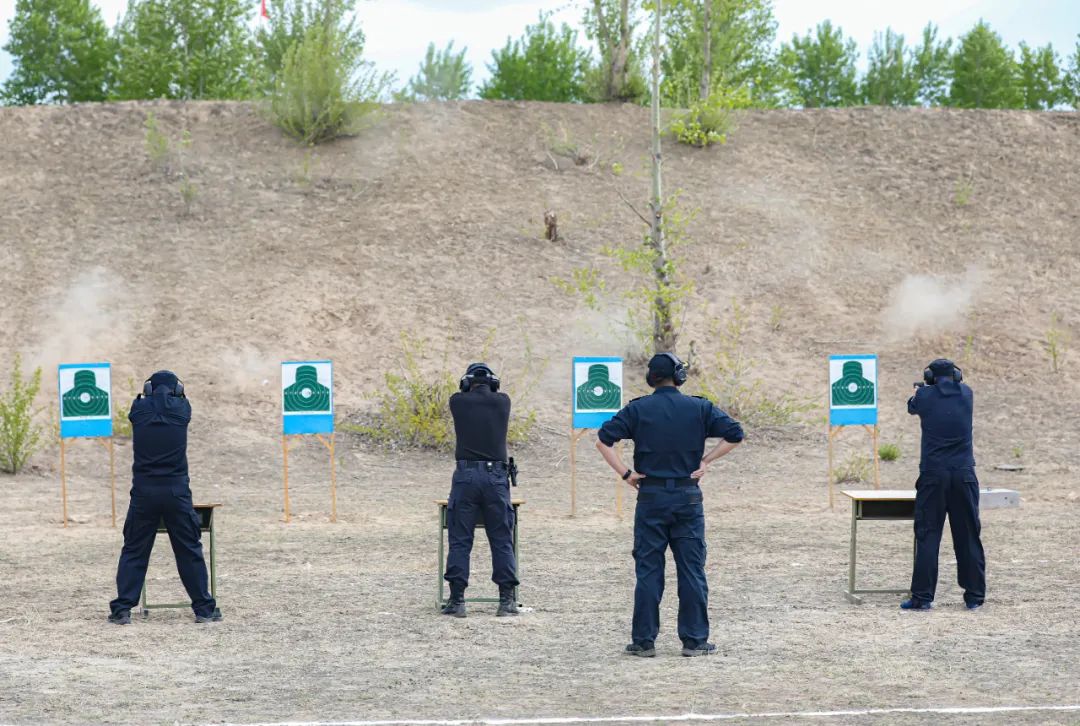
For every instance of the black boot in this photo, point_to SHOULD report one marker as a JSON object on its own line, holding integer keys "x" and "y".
{"x": 456, "y": 604}
{"x": 507, "y": 603}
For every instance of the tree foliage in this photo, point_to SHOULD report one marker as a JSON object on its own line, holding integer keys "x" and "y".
{"x": 933, "y": 67}
{"x": 19, "y": 435}
{"x": 985, "y": 75}
{"x": 890, "y": 78}
{"x": 290, "y": 20}
{"x": 545, "y": 64}
{"x": 188, "y": 49}
{"x": 61, "y": 52}
{"x": 1071, "y": 84}
{"x": 325, "y": 88}
{"x": 716, "y": 45}
{"x": 1040, "y": 77}
{"x": 618, "y": 74}
{"x": 444, "y": 76}
{"x": 819, "y": 68}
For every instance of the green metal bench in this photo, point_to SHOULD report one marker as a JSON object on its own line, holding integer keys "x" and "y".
{"x": 206, "y": 524}
{"x": 441, "y": 599}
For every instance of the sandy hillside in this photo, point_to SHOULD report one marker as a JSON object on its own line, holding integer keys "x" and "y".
{"x": 911, "y": 234}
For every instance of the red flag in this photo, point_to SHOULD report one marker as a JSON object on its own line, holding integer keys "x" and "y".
{"x": 262, "y": 10}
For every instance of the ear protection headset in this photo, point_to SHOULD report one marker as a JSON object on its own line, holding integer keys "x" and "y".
{"x": 471, "y": 377}
{"x": 148, "y": 388}
{"x": 930, "y": 378}
{"x": 679, "y": 376}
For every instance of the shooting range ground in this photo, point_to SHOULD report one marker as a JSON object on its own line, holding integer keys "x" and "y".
{"x": 328, "y": 622}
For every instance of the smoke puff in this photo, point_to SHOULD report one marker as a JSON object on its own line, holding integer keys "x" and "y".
{"x": 925, "y": 305}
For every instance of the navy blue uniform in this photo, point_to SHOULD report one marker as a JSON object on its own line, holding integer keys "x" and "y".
{"x": 947, "y": 485}
{"x": 669, "y": 432}
{"x": 160, "y": 491}
{"x": 480, "y": 488}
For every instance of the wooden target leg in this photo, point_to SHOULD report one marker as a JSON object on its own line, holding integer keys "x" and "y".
{"x": 831, "y": 431}
{"x": 112, "y": 477}
{"x": 63, "y": 483}
{"x": 333, "y": 482}
{"x": 285, "y": 466}
{"x": 573, "y": 471}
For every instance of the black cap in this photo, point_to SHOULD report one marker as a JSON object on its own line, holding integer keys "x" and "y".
{"x": 660, "y": 367}
{"x": 943, "y": 368}
{"x": 163, "y": 378}
{"x": 480, "y": 370}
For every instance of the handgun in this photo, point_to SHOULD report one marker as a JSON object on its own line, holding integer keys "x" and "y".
{"x": 512, "y": 469}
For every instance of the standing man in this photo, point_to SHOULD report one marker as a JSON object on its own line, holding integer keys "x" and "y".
{"x": 946, "y": 485}
{"x": 480, "y": 487}
{"x": 160, "y": 491}
{"x": 669, "y": 432}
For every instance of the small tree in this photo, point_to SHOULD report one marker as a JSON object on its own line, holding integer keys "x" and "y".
{"x": 718, "y": 45}
{"x": 617, "y": 75}
{"x": 933, "y": 67}
{"x": 325, "y": 89}
{"x": 890, "y": 77}
{"x": 820, "y": 68}
{"x": 1070, "y": 89}
{"x": 19, "y": 435}
{"x": 61, "y": 53}
{"x": 1040, "y": 77}
{"x": 187, "y": 49}
{"x": 444, "y": 76}
{"x": 289, "y": 20}
{"x": 985, "y": 75}
{"x": 545, "y": 64}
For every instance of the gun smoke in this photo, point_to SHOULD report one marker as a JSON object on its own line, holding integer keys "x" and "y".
{"x": 925, "y": 305}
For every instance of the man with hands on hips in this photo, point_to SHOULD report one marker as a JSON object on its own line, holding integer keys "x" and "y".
{"x": 669, "y": 432}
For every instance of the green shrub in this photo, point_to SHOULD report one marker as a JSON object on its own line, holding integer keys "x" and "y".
{"x": 325, "y": 89}
{"x": 414, "y": 407}
{"x": 856, "y": 468}
{"x": 157, "y": 144}
{"x": 19, "y": 435}
{"x": 709, "y": 121}
{"x": 889, "y": 452}
{"x": 728, "y": 379}
{"x": 121, "y": 424}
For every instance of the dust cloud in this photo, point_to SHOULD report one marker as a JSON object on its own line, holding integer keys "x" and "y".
{"x": 87, "y": 324}
{"x": 923, "y": 305}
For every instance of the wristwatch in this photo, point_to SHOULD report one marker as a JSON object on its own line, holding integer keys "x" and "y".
{"x": 627, "y": 474}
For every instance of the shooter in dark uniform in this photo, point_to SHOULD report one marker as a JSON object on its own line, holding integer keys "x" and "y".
{"x": 947, "y": 485}
{"x": 669, "y": 432}
{"x": 160, "y": 491}
{"x": 481, "y": 487}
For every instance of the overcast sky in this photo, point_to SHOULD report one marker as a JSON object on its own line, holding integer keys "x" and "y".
{"x": 398, "y": 31}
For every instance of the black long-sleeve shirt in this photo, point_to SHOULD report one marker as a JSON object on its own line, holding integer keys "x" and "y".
{"x": 481, "y": 420}
{"x": 159, "y": 440}
{"x": 669, "y": 431}
{"x": 945, "y": 411}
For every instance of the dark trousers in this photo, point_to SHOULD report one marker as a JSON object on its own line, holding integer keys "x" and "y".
{"x": 670, "y": 515}
{"x": 148, "y": 507}
{"x": 478, "y": 492}
{"x": 956, "y": 493}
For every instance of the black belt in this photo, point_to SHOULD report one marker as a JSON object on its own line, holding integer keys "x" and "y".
{"x": 486, "y": 465}
{"x": 654, "y": 481}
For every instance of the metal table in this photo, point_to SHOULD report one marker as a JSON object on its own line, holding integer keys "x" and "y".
{"x": 441, "y": 600}
{"x": 206, "y": 524}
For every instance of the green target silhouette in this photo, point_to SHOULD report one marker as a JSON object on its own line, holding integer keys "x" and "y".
{"x": 84, "y": 398}
{"x": 852, "y": 389}
{"x": 599, "y": 392}
{"x": 307, "y": 395}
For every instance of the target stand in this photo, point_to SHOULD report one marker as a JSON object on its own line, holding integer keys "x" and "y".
{"x": 576, "y": 435}
{"x": 328, "y": 442}
{"x": 108, "y": 444}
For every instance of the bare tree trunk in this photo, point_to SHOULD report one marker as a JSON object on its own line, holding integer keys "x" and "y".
{"x": 706, "y": 48}
{"x": 620, "y": 61}
{"x": 663, "y": 325}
